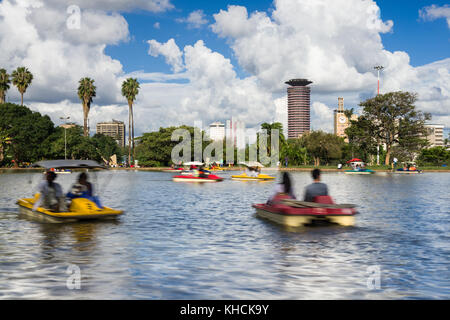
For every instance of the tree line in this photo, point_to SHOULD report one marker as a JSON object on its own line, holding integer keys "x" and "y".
{"x": 22, "y": 79}
{"x": 390, "y": 126}
{"x": 27, "y": 136}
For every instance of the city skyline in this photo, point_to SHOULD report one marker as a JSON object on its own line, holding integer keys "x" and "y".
{"x": 193, "y": 64}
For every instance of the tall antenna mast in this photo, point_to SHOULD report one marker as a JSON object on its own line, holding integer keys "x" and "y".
{"x": 378, "y": 68}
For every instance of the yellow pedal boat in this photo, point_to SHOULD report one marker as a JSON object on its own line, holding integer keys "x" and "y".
{"x": 245, "y": 177}
{"x": 80, "y": 209}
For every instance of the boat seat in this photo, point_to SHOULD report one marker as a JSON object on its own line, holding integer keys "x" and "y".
{"x": 324, "y": 200}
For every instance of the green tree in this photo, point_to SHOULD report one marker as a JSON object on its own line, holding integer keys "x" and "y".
{"x": 106, "y": 147}
{"x": 434, "y": 156}
{"x": 362, "y": 142}
{"x": 267, "y": 144}
{"x": 322, "y": 146}
{"x": 99, "y": 147}
{"x": 86, "y": 91}
{"x": 394, "y": 118}
{"x": 130, "y": 89}
{"x": 349, "y": 113}
{"x": 5, "y": 140}
{"x": 22, "y": 78}
{"x": 155, "y": 148}
{"x": 296, "y": 152}
{"x": 26, "y": 131}
{"x": 85, "y": 149}
{"x": 56, "y": 142}
{"x": 4, "y": 85}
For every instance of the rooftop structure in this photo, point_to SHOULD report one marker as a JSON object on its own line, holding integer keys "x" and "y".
{"x": 298, "y": 82}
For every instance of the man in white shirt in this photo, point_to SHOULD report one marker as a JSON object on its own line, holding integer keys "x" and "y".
{"x": 395, "y": 163}
{"x": 51, "y": 196}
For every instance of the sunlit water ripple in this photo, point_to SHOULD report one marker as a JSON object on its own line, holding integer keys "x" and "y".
{"x": 185, "y": 241}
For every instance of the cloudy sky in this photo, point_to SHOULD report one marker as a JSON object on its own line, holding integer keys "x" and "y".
{"x": 213, "y": 60}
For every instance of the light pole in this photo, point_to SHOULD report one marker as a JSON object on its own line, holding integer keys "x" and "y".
{"x": 378, "y": 68}
{"x": 65, "y": 136}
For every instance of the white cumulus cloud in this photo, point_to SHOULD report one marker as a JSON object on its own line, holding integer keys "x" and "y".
{"x": 335, "y": 44}
{"x": 434, "y": 12}
{"x": 196, "y": 19}
{"x": 170, "y": 51}
{"x": 112, "y": 5}
{"x": 214, "y": 91}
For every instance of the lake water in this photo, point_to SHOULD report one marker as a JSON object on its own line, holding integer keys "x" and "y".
{"x": 188, "y": 241}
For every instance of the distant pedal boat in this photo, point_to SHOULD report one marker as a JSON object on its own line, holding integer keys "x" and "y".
{"x": 399, "y": 171}
{"x": 172, "y": 170}
{"x": 191, "y": 178}
{"x": 293, "y": 213}
{"x": 245, "y": 177}
{"x": 363, "y": 171}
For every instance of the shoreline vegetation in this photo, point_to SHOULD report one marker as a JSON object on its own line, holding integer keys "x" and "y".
{"x": 300, "y": 169}
{"x": 389, "y": 128}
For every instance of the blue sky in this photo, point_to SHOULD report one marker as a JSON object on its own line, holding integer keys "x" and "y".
{"x": 424, "y": 41}
{"x": 236, "y": 69}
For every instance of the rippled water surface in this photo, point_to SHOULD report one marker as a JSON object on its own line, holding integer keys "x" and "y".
{"x": 187, "y": 241}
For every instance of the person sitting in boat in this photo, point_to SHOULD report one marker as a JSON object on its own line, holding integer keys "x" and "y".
{"x": 315, "y": 189}
{"x": 202, "y": 172}
{"x": 283, "y": 190}
{"x": 251, "y": 172}
{"x": 51, "y": 194}
{"x": 83, "y": 189}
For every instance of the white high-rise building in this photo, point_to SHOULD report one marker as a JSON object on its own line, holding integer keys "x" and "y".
{"x": 435, "y": 135}
{"x": 235, "y": 131}
{"x": 217, "y": 131}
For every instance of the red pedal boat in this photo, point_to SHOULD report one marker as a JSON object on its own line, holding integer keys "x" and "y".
{"x": 295, "y": 213}
{"x": 192, "y": 178}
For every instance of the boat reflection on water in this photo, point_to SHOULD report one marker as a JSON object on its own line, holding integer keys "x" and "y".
{"x": 77, "y": 234}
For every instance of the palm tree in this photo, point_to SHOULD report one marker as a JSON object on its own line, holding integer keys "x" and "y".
{"x": 349, "y": 113}
{"x": 86, "y": 91}
{"x": 22, "y": 78}
{"x": 269, "y": 127}
{"x": 4, "y": 84}
{"x": 130, "y": 89}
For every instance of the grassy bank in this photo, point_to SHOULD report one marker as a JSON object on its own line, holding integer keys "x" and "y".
{"x": 375, "y": 168}
{"x": 299, "y": 168}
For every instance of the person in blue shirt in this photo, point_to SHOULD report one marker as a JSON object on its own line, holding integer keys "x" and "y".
{"x": 83, "y": 189}
{"x": 315, "y": 189}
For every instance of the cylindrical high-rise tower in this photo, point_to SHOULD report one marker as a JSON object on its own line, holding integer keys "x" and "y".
{"x": 299, "y": 118}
